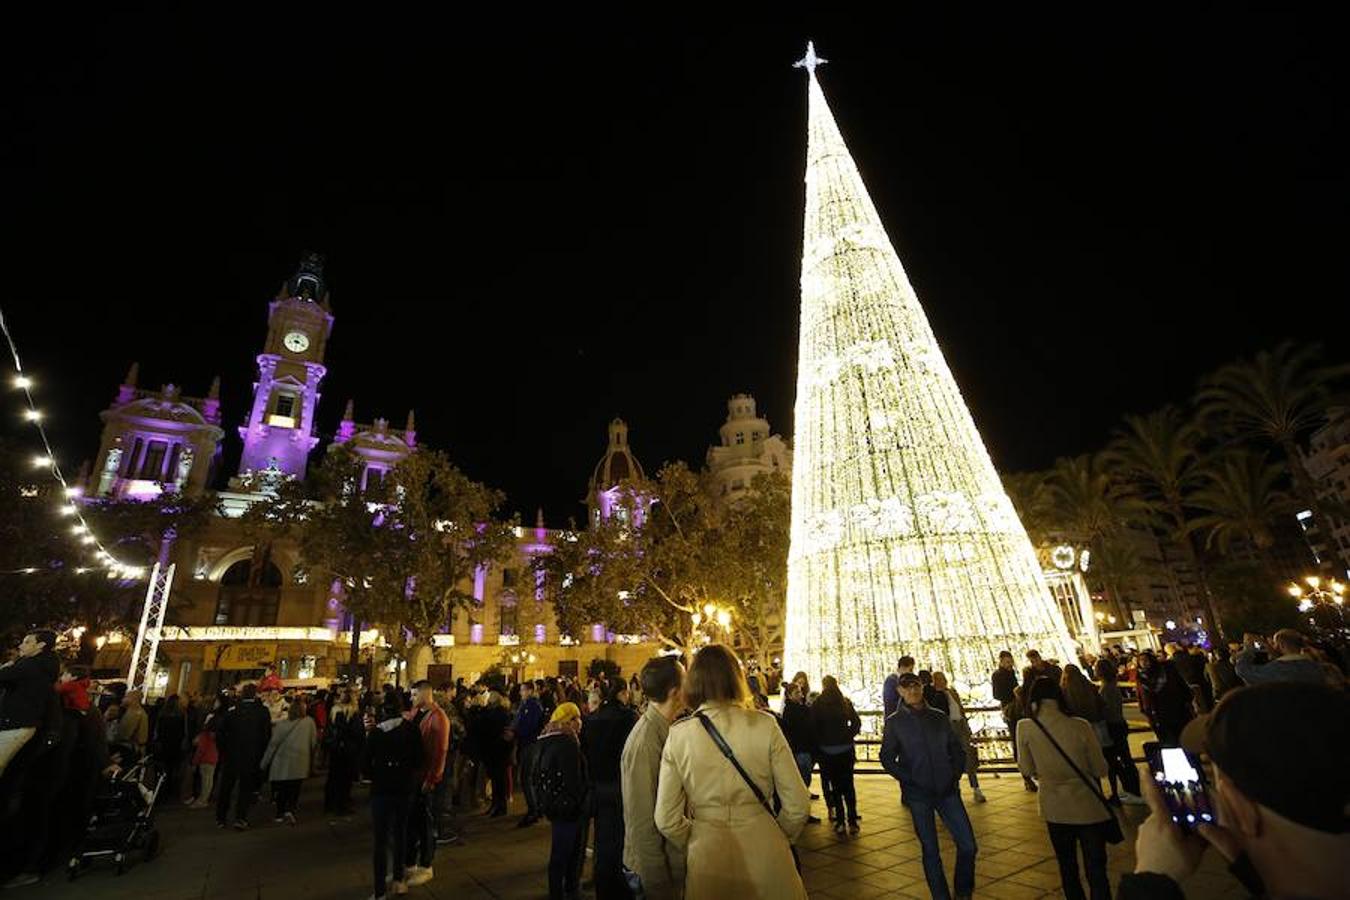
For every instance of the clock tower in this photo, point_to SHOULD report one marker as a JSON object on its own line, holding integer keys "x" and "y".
{"x": 279, "y": 433}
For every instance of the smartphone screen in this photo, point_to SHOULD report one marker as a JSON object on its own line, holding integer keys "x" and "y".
{"x": 1182, "y": 782}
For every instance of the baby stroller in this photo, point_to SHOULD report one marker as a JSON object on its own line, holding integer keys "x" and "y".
{"x": 122, "y": 821}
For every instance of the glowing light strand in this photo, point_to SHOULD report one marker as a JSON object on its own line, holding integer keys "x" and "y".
{"x": 23, "y": 382}
{"x": 903, "y": 539}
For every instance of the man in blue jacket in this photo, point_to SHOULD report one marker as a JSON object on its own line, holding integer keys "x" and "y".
{"x": 921, "y": 751}
{"x": 528, "y": 723}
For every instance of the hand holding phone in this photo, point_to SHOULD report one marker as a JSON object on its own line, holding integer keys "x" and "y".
{"x": 1180, "y": 780}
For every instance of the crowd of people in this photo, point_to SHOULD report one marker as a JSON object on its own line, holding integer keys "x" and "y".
{"x": 686, "y": 783}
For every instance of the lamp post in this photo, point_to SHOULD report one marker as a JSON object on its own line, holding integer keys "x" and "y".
{"x": 712, "y": 621}
{"x": 1323, "y": 600}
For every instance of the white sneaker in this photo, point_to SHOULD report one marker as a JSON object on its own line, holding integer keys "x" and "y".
{"x": 418, "y": 875}
{"x": 1132, "y": 799}
{"x": 979, "y": 796}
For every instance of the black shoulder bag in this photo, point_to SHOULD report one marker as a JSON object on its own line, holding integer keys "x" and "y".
{"x": 722, "y": 745}
{"x": 1110, "y": 829}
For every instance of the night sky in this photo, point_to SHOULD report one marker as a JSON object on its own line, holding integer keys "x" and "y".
{"x": 535, "y": 224}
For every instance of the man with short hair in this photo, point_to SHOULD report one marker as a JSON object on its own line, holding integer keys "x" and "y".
{"x": 603, "y": 735}
{"x": 1290, "y": 664}
{"x": 1281, "y": 793}
{"x": 525, "y": 729}
{"x": 658, "y": 863}
{"x": 920, "y": 750}
{"x": 27, "y": 685}
{"x": 890, "y": 689}
{"x": 242, "y": 739}
{"x": 434, "y": 728}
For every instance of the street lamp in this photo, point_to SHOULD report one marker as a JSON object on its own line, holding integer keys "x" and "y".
{"x": 1325, "y": 600}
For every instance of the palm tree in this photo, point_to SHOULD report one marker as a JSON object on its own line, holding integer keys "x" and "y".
{"x": 1097, "y": 508}
{"x": 1276, "y": 397}
{"x": 1034, "y": 500}
{"x": 1158, "y": 455}
{"x": 1240, "y": 497}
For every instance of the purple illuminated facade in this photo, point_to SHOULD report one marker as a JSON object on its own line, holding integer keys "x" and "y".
{"x": 156, "y": 442}
{"x": 279, "y": 433}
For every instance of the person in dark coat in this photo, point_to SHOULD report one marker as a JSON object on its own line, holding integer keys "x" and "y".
{"x": 1164, "y": 697}
{"x": 344, "y": 740}
{"x": 171, "y": 742}
{"x": 243, "y": 736}
{"x": 834, "y": 725}
{"x": 525, "y": 730}
{"x": 1004, "y": 683}
{"x": 495, "y": 723}
{"x": 393, "y": 758}
{"x": 920, "y": 750}
{"x": 602, "y": 738}
{"x": 27, "y": 684}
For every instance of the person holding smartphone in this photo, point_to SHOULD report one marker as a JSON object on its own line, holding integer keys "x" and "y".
{"x": 1280, "y": 791}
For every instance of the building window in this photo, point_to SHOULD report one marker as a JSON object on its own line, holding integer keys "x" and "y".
{"x": 153, "y": 467}
{"x": 129, "y": 470}
{"x": 508, "y": 618}
{"x": 509, "y": 578}
{"x": 246, "y": 598}
{"x": 756, "y": 436}
{"x": 285, "y": 405}
{"x": 740, "y": 437}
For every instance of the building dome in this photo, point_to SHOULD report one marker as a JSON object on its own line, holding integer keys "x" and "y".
{"x": 618, "y": 463}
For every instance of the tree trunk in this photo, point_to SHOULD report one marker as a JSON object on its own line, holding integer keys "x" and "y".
{"x": 1201, "y": 570}
{"x": 354, "y": 659}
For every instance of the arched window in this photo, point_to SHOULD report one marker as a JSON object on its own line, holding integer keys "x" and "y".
{"x": 245, "y": 601}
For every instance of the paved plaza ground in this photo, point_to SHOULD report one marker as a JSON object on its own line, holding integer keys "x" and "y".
{"x": 319, "y": 859}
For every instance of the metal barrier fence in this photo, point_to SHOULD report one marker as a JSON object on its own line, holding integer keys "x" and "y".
{"x": 989, "y": 734}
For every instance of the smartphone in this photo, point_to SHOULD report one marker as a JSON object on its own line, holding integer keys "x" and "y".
{"x": 1181, "y": 780}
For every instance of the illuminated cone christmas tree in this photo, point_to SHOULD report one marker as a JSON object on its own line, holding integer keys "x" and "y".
{"x": 903, "y": 539}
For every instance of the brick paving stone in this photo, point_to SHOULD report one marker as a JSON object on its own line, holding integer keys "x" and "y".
{"x": 323, "y": 860}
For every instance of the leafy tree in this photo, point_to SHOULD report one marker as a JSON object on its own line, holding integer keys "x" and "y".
{"x": 1158, "y": 457}
{"x": 1249, "y": 600}
{"x": 755, "y": 532}
{"x": 404, "y": 551}
{"x": 689, "y": 549}
{"x": 66, "y": 588}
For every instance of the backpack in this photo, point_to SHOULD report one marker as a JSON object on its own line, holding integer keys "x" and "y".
{"x": 555, "y": 779}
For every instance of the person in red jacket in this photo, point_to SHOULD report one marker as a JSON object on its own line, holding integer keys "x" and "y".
{"x": 434, "y": 726}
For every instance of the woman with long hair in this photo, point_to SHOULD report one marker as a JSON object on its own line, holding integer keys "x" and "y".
{"x": 1080, "y": 696}
{"x": 1050, "y": 744}
{"x": 1117, "y": 751}
{"x": 719, "y": 811}
{"x": 956, "y": 714}
{"x": 835, "y": 724}
{"x": 1164, "y": 697}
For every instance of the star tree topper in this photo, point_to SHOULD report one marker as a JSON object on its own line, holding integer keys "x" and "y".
{"x": 810, "y": 60}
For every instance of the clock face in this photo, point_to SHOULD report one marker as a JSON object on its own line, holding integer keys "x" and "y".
{"x": 296, "y": 342}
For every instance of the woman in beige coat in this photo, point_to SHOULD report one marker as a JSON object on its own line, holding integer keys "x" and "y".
{"x": 734, "y": 846}
{"x": 1075, "y": 814}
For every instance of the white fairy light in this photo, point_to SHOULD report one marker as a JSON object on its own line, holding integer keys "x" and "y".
{"x": 23, "y": 382}
{"x": 903, "y": 539}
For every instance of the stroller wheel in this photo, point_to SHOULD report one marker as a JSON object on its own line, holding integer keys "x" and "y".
{"x": 151, "y": 846}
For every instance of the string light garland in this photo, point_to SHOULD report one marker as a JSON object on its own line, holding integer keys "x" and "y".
{"x": 26, "y": 384}
{"x": 903, "y": 540}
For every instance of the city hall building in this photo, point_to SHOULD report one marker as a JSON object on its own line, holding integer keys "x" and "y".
{"x": 237, "y": 610}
